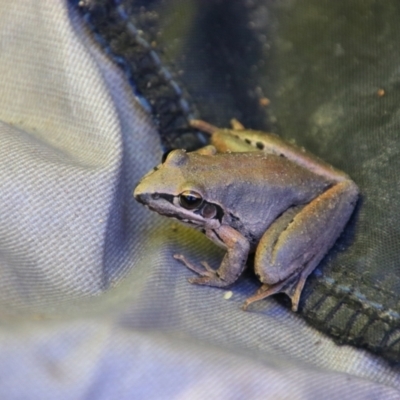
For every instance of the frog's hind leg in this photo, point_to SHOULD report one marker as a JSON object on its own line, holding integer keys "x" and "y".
{"x": 292, "y": 287}
{"x": 299, "y": 239}
{"x": 265, "y": 291}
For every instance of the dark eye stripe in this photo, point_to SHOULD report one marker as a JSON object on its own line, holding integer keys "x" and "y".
{"x": 170, "y": 198}
{"x": 167, "y": 197}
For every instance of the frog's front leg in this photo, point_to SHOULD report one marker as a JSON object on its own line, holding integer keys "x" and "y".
{"x": 232, "y": 264}
{"x": 297, "y": 241}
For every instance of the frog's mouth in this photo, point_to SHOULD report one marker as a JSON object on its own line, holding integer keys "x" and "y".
{"x": 164, "y": 204}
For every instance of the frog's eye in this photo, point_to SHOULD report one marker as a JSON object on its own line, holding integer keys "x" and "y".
{"x": 190, "y": 199}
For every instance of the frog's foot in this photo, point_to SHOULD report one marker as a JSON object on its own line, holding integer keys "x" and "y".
{"x": 292, "y": 287}
{"x": 263, "y": 292}
{"x": 208, "y": 276}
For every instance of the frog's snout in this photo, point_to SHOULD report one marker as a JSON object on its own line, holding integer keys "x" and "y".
{"x": 140, "y": 195}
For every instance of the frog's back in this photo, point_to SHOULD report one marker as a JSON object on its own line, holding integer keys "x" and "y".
{"x": 230, "y": 175}
{"x": 254, "y": 187}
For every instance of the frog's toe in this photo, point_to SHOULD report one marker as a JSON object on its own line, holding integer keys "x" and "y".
{"x": 263, "y": 292}
{"x": 208, "y": 272}
{"x": 206, "y": 265}
{"x": 208, "y": 276}
{"x": 188, "y": 264}
{"x": 201, "y": 280}
{"x": 180, "y": 257}
{"x": 210, "y": 279}
{"x": 292, "y": 286}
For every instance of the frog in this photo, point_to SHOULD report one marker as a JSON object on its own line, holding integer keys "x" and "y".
{"x": 253, "y": 193}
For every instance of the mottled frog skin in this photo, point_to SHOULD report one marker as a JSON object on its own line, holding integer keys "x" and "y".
{"x": 252, "y": 192}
